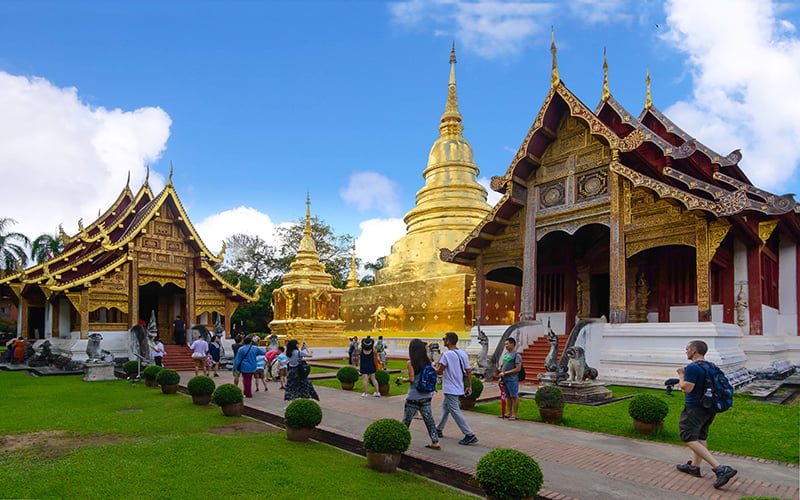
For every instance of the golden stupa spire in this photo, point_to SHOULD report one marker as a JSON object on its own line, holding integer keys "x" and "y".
{"x": 554, "y": 78}
{"x": 606, "y": 91}
{"x": 352, "y": 278}
{"x": 451, "y": 119}
{"x": 648, "y": 101}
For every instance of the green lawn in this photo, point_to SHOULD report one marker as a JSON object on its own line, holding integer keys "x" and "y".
{"x": 165, "y": 450}
{"x": 749, "y": 428}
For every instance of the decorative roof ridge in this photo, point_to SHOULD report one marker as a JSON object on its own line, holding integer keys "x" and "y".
{"x": 227, "y": 284}
{"x": 732, "y": 159}
{"x": 90, "y": 277}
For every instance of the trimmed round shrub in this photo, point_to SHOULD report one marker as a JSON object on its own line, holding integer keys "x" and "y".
{"x": 550, "y": 396}
{"x": 347, "y": 374}
{"x": 508, "y": 474}
{"x": 382, "y": 376}
{"x": 387, "y": 435}
{"x": 151, "y": 372}
{"x": 648, "y": 408}
{"x": 302, "y": 414}
{"x": 168, "y": 377}
{"x": 477, "y": 389}
{"x": 131, "y": 367}
{"x": 201, "y": 386}
{"x": 227, "y": 394}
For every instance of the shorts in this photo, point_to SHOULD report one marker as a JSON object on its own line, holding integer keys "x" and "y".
{"x": 259, "y": 373}
{"x": 199, "y": 362}
{"x": 283, "y": 372}
{"x": 511, "y": 386}
{"x": 236, "y": 373}
{"x": 694, "y": 424}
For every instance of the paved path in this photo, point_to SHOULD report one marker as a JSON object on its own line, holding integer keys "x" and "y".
{"x": 576, "y": 464}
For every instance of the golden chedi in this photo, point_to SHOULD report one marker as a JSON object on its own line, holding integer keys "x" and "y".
{"x": 307, "y": 304}
{"x": 415, "y": 291}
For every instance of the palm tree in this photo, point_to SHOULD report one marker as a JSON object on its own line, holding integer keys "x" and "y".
{"x": 12, "y": 246}
{"x": 45, "y": 247}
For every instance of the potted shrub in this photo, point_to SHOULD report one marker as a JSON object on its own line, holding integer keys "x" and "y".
{"x": 131, "y": 368}
{"x": 301, "y": 417}
{"x": 550, "y": 401}
{"x": 382, "y": 377}
{"x": 385, "y": 441}
{"x": 168, "y": 380}
{"x": 347, "y": 376}
{"x": 507, "y": 474}
{"x": 229, "y": 397}
{"x": 467, "y": 402}
{"x": 648, "y": 413}
{"x": 201, "y": 388}
{"x": 150, "y": 373}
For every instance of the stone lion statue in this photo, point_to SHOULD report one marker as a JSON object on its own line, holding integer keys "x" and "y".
{"x": 94, "y": 352}
{"x": 576, "y": 365}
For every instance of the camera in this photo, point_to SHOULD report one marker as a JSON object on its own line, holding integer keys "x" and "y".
{"x": 398, "y": 381}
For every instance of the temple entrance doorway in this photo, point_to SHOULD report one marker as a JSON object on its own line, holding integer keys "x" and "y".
{"x": 599, "y": 286}
{"x": 35, "y": 322}
{"x": 168, "y": 301}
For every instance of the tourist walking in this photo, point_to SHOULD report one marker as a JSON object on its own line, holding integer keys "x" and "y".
{"x": 179, "y": 331}
{"x": 509, "y": 375}
{"x": 215, "y": 350}
{"x": 157, "y": 351}
{"x": 283, "y": 366}
{"x": 416, "y": 400}
{"x": 245, "y": 364}
{"x": 352, "y": 351}
{"x": 261, "y": 365}
{"x": 199, "y": 352}
{"x": 456, "y": 382}
{"x": 696, "y": 419}
{"x": 380, "y": 348}
{"x": 367, "y": 368}
{"x": 297, "y": 383}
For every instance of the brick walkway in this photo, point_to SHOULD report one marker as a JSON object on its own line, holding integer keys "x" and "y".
{"x": 576, "y": 464}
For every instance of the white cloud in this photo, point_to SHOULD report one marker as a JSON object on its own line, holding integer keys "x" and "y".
{"x": 746, "y": 68}
{"x": 493, "y": 196}
{"x": 377, "y": 237}
{"x": 245, "y": 220}
{"x": 372, "y": 191}
{"x": 63, "y": 160}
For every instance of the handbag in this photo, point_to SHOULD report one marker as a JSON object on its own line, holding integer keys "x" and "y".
{"x": 303, "y": 369}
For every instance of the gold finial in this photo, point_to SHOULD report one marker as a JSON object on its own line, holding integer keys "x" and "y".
{"x": 222, "y": 250}
{"x": 147, "y": 175}
{"x": 307, "y": 229}
{"x": 451, "y": 119}
{"x": 128, "y": 182}
{"x": 648, "y": 101}
{"x": 606, "y": 92}
{"x": 169, "y": 180}
{"x": 352, "y": 278}
{"x": 64, "y": 236}
{"x": 554, "y": 78}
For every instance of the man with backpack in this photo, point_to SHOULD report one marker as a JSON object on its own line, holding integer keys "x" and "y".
{"x": 456, "y": 381}
{"x": 694, "y": 381}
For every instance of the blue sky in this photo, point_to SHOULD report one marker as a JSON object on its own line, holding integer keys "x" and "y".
{"x": 258, "y": 103}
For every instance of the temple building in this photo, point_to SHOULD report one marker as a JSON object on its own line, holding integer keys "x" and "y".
{"x": 142, "y": 256}
{"x": 306, "y": 306}
{"x": 415, "y": 290}
{"x": 608, "y": 215}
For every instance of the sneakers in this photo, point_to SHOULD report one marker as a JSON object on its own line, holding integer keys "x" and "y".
{"x": 439, "y": 433}
{"x": 216, "y": 374}
{"x": 364, "y": 395}
{"x": 690, "y": 469}
{"x": 469, "y": 440}
{"x": 377, "y": 394}
{"x": 724, "y": 474}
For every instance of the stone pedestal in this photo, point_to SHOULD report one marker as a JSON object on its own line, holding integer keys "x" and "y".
{"x": 584, "y": 392}
{"x": 94, "y": 372}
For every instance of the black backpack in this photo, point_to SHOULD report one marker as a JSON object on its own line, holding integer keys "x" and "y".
{"x": 718, "y": 393}
{"x": 521, "y": 374}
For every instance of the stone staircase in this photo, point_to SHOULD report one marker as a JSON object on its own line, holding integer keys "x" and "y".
{"x": 179, "y": 357}
{"x": 534, "y": 355}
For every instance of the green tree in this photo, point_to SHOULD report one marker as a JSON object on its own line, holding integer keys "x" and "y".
{"x": 333, "y": 249}
{"x": 12, "y": 246}
{"x": 374, "y": 267}
{"x": 45, "y": 247}
{"x": 251, "y": 257}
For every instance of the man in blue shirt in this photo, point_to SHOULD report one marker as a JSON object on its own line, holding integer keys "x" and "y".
{"x": 696, "y": 419}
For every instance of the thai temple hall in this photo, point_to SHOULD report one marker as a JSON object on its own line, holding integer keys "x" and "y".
{"x": 142, "y": 258}
{"x": 633, "y": 222}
